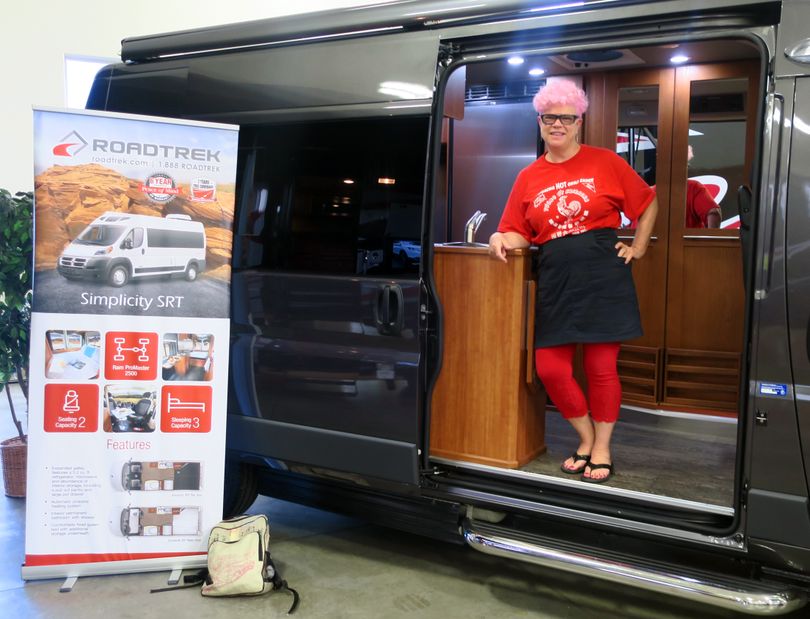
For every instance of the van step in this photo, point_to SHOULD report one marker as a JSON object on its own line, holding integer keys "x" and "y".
{"x": 717, "y": 590}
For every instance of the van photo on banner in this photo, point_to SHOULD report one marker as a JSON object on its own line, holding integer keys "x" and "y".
{"x": 129, "y": 341}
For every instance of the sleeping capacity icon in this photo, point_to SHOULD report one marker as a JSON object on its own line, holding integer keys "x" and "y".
{"x": 131, "y": 355}
{"x": 185, "y": 408}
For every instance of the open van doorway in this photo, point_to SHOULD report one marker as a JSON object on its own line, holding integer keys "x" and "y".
{"x": 678, "y": 440}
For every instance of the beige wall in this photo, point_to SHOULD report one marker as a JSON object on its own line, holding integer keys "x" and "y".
{"x": 37, "y": 35}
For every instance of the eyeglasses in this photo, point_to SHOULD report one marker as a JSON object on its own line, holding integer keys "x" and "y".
{"x": 566, "y": 119}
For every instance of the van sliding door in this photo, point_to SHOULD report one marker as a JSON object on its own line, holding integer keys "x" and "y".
{"x": 326, "y": 295}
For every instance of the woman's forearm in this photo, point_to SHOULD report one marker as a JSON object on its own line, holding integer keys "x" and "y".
{"x": 645, "y": 228}
{"x": 501, "y": 242}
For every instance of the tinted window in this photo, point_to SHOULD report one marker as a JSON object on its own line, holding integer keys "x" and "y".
{"x": 175, "y": 238}
{"x": 100, "y": 235}
{"x": 339, "y": 197}
{"x": 134, "y": 238}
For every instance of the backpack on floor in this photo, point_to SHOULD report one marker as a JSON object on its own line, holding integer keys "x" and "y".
{"x": 239, "y": 562}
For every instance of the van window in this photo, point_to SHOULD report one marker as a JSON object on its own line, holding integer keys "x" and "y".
{"x": 339, "y": 197}
{"x": 134, "y": 238}
{"x": 175, "y": 238}
{"x": 100, "y": 235}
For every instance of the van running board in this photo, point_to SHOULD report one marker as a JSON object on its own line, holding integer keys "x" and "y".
{"x": 717, "y": 590}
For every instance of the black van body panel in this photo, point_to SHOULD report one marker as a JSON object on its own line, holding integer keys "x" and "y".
{"x": 776, "y": 455}
{"x": 434, "y": 518}
{"x": 248, "y": 87}
{"x": 798, "y": 259}
{"x": 321, "y": 358}
{"x": 368, "y": 458}
{"x": 791, "y": 527}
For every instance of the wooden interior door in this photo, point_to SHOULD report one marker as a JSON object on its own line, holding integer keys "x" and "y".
{"x": 715, "y": 107}
{"x": 690, "y": 283}
{"x": 635, "y": 111}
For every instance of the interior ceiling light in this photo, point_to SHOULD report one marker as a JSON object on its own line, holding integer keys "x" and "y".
{"x": 679, "y": 59}
{"x": 384, "y": 180}
{"x": 348, "y": 181}
{"x": 515, "y": 60}
{"x": 536, "y": 71}
{"x": 405, "y": 90}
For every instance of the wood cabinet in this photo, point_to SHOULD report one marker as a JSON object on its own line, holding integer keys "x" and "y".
{"x": 486, "y": 405}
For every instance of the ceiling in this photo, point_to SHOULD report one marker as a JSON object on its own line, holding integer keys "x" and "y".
{"x": 699, "y": 52}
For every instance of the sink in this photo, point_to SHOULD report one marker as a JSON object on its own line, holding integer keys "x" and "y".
{"x": 462, "y": 244}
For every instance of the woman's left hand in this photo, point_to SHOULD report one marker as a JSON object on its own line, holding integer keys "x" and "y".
{"x": 629, "y": 252}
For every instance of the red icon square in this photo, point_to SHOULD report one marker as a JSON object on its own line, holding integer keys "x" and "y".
{"x": 71, "y": 408}
{"x": 130, "y": 356}
{"x": 185, "y": 408}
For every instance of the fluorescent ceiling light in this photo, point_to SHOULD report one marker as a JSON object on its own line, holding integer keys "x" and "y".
{"x": 405, "y": 90}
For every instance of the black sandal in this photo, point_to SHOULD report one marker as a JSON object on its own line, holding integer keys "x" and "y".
{"x": 597, "y": 480}
{"x": 577, "y": 457}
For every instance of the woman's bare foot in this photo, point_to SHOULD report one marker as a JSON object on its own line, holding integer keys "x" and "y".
{"x": 585, "y": 430}
{"x": 600, "y": 452}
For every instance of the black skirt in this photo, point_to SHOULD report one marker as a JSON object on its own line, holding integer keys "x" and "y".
{"x": 585, "y": 292}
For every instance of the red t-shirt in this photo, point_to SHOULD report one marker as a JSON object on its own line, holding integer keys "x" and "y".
{"x": 587, "y": 192}
{"x": 699, "y": 203}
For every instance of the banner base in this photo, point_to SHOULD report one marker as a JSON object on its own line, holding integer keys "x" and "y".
{"x": 45, "y": 572}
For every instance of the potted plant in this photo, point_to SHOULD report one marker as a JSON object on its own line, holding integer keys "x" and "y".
{"x": 16, "y": 252}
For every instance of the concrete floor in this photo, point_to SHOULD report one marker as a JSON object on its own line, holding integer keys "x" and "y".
{"x": 343, "y": 568}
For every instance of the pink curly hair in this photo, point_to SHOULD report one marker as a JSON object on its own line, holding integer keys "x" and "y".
{"x": 560, "y": 92}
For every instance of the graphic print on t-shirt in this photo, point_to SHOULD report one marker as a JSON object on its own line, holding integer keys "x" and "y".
{"x": 566, "y": 205}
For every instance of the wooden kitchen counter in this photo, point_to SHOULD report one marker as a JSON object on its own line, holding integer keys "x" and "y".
{"x": 486, "y": 407}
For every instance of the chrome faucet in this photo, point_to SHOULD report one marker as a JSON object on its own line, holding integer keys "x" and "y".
{"x": 472, "y": 225}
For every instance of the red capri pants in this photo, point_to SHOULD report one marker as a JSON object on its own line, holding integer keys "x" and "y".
{"x": 555, "y": 368}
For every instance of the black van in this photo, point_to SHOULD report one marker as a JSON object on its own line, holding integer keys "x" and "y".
{"x": 379, "y": 361}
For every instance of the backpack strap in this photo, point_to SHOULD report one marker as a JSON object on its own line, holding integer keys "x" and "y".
{"x": 189, "y": 580}
{"x": 280, "y": 584}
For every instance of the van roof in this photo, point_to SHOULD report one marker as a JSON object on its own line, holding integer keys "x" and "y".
{"x": 174, "y": 220}
{"x": 401, "y": 16}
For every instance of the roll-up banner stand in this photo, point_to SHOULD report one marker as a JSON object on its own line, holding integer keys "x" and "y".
{"x": 129, "y": 341}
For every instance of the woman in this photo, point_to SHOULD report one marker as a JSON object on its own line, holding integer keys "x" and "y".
{"x": 568, "y": 202}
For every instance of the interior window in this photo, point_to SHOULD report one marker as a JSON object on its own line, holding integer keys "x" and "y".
{"x": 716, "y": 152}
{"x": 637, "y": 137}
{"x": 333, "y": 197}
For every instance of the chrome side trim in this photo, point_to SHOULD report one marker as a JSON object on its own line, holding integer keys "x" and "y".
{"x": 738, "y": 595}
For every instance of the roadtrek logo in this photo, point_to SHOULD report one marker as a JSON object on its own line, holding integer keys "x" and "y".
{"x": 70, "y": 145}
{"x": 73, "y": 143}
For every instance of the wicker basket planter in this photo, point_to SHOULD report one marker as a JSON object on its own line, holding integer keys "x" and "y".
{"x": 15, "y": 460}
